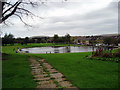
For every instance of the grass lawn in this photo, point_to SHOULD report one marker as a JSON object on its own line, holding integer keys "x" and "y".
{"x": 16, "y": 72}
{"x": 85, "y": 73}
{"x": 82, "y": 72}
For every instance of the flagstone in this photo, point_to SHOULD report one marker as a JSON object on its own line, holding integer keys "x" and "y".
{"x": 45, "y": 82}
{"x": 60, "y": 79}
{"x": 47, "y": 86}
{"x": 42, "y": 60}
{"x": 42, "y": 79}
{"x": 65, "y": 84}
{"x": 56, "y": 75}
{"x": 36, "y": 73}
{"x": 41, "y": 75}
{"x": 47, "y": 65}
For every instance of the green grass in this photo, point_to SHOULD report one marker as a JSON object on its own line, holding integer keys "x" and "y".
{"x": 85, "y": 73}
{"x": 81, "y": 71}
{"x": 16, "y": 72}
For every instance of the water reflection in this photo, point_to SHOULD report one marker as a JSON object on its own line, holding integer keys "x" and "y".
{"x": 68, "y": 49}
{"x": 56, "y": 50}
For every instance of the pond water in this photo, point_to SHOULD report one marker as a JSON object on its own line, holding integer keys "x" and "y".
{"x": 69, "y": 49}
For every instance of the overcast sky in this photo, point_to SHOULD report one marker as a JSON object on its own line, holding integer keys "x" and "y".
{"x": 91, "y": 17}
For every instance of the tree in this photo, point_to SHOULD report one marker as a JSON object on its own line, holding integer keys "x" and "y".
{"x": 32, "y": 40}
{"x": 61, "y": 39}
{"x": 56, "y": 38}
{"x": 108, "y": 40}
{"x": 43, "y": 40}
{"x": 67, "y": 38}
{"x": 18, "y": 40}
{"x": 8, "y": 39}
{"x": 26, "y": 40}
{"x": 93, "y": 40}
{"x": 115, "y": 41}
{"x": 10, "y": 8}
{"x": 17, "y": 8}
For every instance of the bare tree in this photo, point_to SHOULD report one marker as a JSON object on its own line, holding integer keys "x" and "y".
{"x": 17, "y": 8}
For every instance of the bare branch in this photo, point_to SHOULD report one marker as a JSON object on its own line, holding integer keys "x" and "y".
{"x": 5, "y": 23}
{"x": 30, "y": 3}
{"x": 29, "y": 12}
{"x": 22, "y": 20}
{"x": 19, "y": 10}
{"x": 25, "y": 10}
{"x": 10, "y": 14}
{"x": 10, "y": 8}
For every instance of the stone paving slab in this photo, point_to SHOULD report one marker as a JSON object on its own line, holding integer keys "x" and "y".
{"x": 56, "y": 75}
{"x": 42, "y": 79}
{"x": 47, "y": 65}
{"x": 65, "y": 84}
{"x": 52, "y": 70}
{"x": 37, "y": 70}
{"x": 47, "y": 86}
{"x": 36, "y": 73}
{"x": 42, "y": 60}
{"x": 60, "y": 79}
{"x": 45, "y": 82}
{"x": 41, "y": 75}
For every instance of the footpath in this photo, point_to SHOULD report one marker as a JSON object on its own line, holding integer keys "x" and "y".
{"x": 46, "y": 76}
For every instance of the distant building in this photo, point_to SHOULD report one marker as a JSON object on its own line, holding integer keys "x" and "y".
{"x": 82, "y": 41}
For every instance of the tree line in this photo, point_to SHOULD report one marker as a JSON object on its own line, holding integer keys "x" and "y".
{"x": 64, "y": 39}
{"x": 10, "y": 39}
{"x": 67, "y": 39}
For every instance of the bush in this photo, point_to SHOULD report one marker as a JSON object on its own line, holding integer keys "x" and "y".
{"x": 117, "y": 54}
{"x": 108, "y": 55}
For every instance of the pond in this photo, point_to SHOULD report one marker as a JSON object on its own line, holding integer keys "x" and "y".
{"x": 68, "y": 49}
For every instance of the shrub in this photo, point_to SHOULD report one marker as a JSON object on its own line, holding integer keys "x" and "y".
{"x": 117, "y": 54}
{"x": 108, "y": 55}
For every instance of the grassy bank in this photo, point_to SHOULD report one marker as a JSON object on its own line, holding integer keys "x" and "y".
{"x": 81, "y": 71}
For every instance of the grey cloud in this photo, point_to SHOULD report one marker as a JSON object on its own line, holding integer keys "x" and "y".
{"x": 105, "y": 17}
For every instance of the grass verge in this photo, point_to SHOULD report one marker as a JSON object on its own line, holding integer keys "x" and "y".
{"x": 16, "y": 72}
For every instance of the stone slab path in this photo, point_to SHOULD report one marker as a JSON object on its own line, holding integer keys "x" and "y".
{"x": 46, "y": 76}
